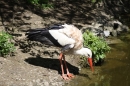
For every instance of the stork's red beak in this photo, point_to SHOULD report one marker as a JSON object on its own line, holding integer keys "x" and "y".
{"x": 91, "y": 63}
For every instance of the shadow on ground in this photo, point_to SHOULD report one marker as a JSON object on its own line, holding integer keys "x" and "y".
{"x": 49, "y": 63}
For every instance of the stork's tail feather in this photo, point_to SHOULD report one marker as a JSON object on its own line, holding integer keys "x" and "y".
{"x": 40, "y": 35}
{"x": 34, "y": 31}
{"x": 34, "y": 34}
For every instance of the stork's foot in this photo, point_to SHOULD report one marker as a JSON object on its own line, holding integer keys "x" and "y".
{"x": 64, "y": 76}
{"x": 69, "y": 75}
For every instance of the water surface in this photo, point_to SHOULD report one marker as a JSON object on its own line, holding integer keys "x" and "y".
{"x": 116, "y": 70}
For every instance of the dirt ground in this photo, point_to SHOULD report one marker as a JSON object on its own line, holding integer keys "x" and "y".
{"x": 24, "y": 69}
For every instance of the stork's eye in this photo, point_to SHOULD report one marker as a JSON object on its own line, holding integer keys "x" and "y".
{"x": 88, "y": 55}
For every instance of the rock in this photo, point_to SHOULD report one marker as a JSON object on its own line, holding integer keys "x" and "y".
{"x": 125, "y": 28}
{"x": 2, "y": 28}
{"x": 0, "y": 22}
{"x": 116, "y": 22}
{"x": 109, "y": 28}
{"x": 114, "y": 33}
{"x": 113, "y": 40}
{"x": 96, "y": 25}
{"x": 106, "y": 33}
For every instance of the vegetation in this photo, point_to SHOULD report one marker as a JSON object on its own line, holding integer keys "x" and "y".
{"x": 98, "y": 46}
{"x": 41, "y": 3}
{"x": 6, "y": 47}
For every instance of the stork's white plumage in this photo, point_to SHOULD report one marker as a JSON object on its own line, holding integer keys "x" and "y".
{"x": 68, "y": 37}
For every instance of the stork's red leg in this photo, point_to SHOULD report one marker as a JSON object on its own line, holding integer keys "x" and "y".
{"x": 62, "y": 68}
{"x": 68, "y": 73}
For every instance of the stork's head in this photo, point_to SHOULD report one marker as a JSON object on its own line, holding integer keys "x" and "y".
{"x": 88, "y": 54}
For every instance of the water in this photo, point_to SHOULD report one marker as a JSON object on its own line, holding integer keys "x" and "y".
{"x": 114, "y": 72}
{"x": 117, "y": 67}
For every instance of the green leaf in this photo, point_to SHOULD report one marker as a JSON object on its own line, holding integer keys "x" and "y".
{"x": 5, "y": 45}
{"x": 98, "y": 46}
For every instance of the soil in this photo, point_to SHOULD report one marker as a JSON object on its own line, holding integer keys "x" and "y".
{"x": 24, "y": 69}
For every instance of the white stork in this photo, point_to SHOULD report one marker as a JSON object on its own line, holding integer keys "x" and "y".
{"x": 67, "y": 37}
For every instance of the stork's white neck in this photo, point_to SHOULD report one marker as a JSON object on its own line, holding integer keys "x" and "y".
{"x": 84, "y": 51}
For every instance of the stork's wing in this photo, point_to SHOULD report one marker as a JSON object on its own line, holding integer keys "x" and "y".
{"x": 61, "y": 38}
{"x": 50, "y": 36}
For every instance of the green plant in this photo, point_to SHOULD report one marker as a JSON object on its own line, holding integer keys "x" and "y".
{"x": 6, "y": 46}
{"x": 98, "y": 45}
{"x": 93, "y": 1}
{"x": 41, "y": 3}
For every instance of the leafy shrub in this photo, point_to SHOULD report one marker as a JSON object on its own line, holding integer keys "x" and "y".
{"x": 41, "y": 3}
{"x": 6, "y": 46}
{"x": 98, "y": 46}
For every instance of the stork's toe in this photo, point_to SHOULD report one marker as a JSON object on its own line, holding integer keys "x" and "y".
{"x": 69, "y": 75}
{"x": 65, "y": 77}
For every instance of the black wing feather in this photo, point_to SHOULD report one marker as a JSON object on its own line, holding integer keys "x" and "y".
{"x": 42, "y": 35}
